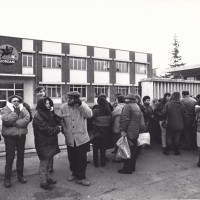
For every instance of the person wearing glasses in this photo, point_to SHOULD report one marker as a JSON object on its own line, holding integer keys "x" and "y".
{"x": 15, "y": 119}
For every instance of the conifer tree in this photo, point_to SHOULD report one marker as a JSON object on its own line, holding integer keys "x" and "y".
{"x": 176, "y": 59}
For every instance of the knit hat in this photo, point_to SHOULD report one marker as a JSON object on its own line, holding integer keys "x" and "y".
{"x": 74, "y": 94}
{"x": 130, "y": 96}
{"x": 15, "y": 96}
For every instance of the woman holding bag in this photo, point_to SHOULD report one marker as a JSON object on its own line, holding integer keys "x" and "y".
{"x": 130, "y": 124}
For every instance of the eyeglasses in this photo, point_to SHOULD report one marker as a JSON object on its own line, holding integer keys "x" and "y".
{"x": 15, "y": 101}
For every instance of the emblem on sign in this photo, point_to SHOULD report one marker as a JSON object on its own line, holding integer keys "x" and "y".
{"x": 8, "y": 54}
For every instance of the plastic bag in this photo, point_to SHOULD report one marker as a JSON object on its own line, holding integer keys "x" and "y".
{"x": 123, "y": 150}
{"x": 143, "y": 139}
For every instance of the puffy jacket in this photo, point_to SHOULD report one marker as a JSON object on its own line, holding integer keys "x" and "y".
{"x": 130, "y": 120}
{"x": 14, "y": 124}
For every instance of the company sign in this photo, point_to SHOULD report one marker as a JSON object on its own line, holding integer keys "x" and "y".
{"x": 8, "y": 54}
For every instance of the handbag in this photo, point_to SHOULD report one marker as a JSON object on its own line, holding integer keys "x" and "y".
{"x": 143, "y": 139}
{"x": 124, "y": 149}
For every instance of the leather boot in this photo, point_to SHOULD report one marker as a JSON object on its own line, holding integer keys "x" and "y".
{"x": 21, "y": 177}
{"x": 165, "y": 151}
{"x": 176, "y": 151}
{"x": 7, "y": 181}
{"x": 103, "y": 158}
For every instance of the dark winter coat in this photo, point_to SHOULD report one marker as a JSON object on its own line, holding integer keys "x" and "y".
{"x": 131, "y": 120}
{"x": 45, "y": 132}
{"x": 101, "y": 123}
{"x": 158, "y": 111}
{"x": 174, "y": 112}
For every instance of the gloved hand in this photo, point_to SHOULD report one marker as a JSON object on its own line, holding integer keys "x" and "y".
{"x": 77, "y": 102}
{"x": 123, "y": 134}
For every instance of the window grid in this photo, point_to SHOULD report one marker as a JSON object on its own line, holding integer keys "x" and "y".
{"x": 140, "y": 68}
{"x": 100, "y": 89}
{"x": 77, "y": 63}
{"x": 124, "y": 90}
{"x": 27, "y": 60}
{"x": 122, "y": 67}
{"x": 53, "y": 91}
{"x": 79, "y": 88}
{"x": 51, "y": 61}
{"x": 7, "y": 90}
{"x": 101, "y": 65}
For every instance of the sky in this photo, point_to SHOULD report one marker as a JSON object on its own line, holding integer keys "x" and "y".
{"x": 136, "y": 25}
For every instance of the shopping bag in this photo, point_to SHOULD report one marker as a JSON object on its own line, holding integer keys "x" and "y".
{"x": 198, "y": 139}
{"x": 143, "y": 139}
{"x": 124, "y": 149}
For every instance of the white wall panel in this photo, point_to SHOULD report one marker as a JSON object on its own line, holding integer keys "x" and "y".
{"x": 51, "y": 75}
{"x": 27, "y": 45}
{"x": 28, "y": 92}
{"x": 147, "y": 89}
{"x": 139, "y": 77}
{"x": 27, "y": 70}
{"x": 122, "y": 78}
{"x": 122, "y": 55}
{"x": 101, "y": 52}
{"x": 51, "y": 47}
{"x": 78, "y": 76}
{"x": 102, "y": 77}
{"x": 78, "y": 50}
{"x": 141, "y": 57}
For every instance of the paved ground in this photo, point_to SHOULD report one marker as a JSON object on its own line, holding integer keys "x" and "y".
{"x": 156, "y": 177}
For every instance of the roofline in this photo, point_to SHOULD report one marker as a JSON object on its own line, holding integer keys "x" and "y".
{"x": 75, "y": 44}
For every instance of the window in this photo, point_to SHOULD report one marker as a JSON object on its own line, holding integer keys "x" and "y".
{"x": 136, "y": 89}
{"x": 27, "y": 60}
{"x": 122, "y": 67}
{"x": 51, "y": 61}
{"x": 77, "y": 63}
{"x": 101, "y": 65}
{"x": 140, "y": 68}
{"x": 100, "y": 89}
{"x": 53, "y": 91}
{"x": 79, "y": 88}
{"x": 122, "y": 90}
{"x": 9, "y": 89}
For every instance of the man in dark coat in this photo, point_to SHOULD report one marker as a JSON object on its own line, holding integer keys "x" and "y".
{"x": 189, "y": 135}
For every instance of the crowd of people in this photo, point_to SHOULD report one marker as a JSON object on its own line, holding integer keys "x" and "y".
{"x": 171, "y": 121}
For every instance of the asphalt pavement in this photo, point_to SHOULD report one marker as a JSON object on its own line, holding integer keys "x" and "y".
{"x": 157, "y": 176}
